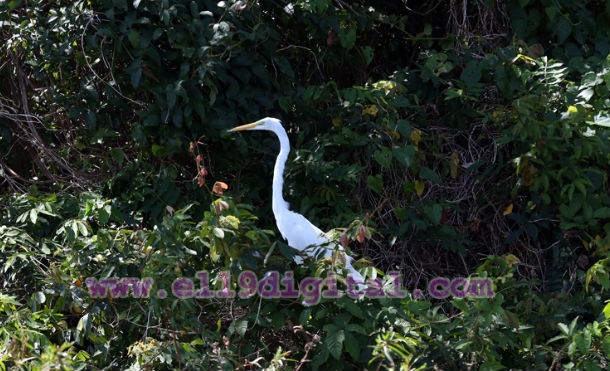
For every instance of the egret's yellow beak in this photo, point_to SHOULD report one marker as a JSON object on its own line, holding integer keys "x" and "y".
{"x": 245, "y": 127}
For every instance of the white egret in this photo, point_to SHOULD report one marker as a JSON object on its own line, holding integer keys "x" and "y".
{"x": 300, "y": 233}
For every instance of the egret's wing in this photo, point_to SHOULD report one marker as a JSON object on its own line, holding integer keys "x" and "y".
{"x": 298, "y": 231}
{"x": 301, "y": 234}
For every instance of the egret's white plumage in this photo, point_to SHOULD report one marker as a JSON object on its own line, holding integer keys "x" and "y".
{"x": 300, "y": 233}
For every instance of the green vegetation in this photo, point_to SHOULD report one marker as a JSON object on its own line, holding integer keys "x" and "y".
{"x": 443, "y": 139}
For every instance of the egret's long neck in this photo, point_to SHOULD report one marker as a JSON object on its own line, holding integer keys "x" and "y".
{"x": 278, "y": 202}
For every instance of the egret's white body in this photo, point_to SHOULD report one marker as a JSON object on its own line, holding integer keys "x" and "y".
{"x": 300, "y": 233}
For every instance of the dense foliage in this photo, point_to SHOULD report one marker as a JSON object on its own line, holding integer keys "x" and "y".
{"x": 444, "y": 139}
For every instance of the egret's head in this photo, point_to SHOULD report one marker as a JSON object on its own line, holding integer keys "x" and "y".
{"x": 268, "y": 123}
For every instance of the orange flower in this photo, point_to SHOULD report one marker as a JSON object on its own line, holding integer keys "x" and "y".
{"x": 220, "y": 187}
{"x": 201, "y": 176}
{"x": 361, "y": 234}
{"x": 79, "y": 281}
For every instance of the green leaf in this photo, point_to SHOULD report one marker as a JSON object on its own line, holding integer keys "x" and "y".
{"x": 491, "y": 366}
{"x": 602, "y": 213}
{"x": 334, "y": 342}
{"x": 606, "y": 345}
{"x": 241, "y": 325}
{"x": 427, "y": 29}
{"x": 404, "y": 128}
{"x": 375, "y": 183}
{"x": 6, "y": 299}
{"x": 320, "y": 358}
{"x": 13, "y": 4}
{"x": 353, "y": 327}
{"x": 156, "y": 150}
{"x": 591, "y": 79}
{"x": 286, "y": 251}
{"x": 134, "y": 38}
{"x": 33, "y": 216}
{"x": 404, "y": 155}
{"x": 383, "y": 156}
{"x": 604, "y": 279}
{"x": 218, "y": 232}
{"x": 573, "y": 325}
{"x": 277, "y": 319}
{"x": 437, "y": 213}
{"x": 434, "y": 213}
{"x": 45, "y": 249}
{"x": 304, "y": 316}
{"x": 104, "y": 214}
{"x": 564, "y": 29}
{"x": 348, "y": 39}
{"x": 82, "y": 228}
{"x": 352, "y": 345}
{"x": 572, "y": 349}
{"x": 600, "y": 120}
{"x": 471, "y": 74}
{"x": 428, "y": 173}
{"x": 583, "y": 341}
{"x": 135, "y": 72}
{"x": 213, "y": 253}
{"x": 438, "y": 64}
{"x": 90, "y": 119}
{"x": 368, "y": 53}
{"x": 607, "y": 310}
{"x": 551, "y": 11}
{"x": 170, "y": 96}
{"x": 351, "y": 307}
{"x": 194, "y": 9}
{"x": 585, "y": 95}
{"x": 285, "y": 67}
{"x": 82, "y": 328}
{"x": 39, "y": 297}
